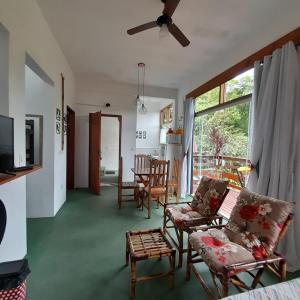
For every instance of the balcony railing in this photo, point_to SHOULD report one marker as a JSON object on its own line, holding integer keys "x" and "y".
{"x": 221, "y": 167}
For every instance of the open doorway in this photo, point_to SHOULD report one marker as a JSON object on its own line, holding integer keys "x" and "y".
{"x": 105, "y": 135}
{"x": 70, "y": 147}
{"x": 110, "y": 149}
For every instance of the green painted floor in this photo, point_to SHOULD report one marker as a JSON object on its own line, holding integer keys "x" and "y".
{"x": 80, "y": 254}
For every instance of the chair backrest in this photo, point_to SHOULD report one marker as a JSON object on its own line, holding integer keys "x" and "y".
{"x": 209, "y": 196}
{"x": 141, "y": 161}
{"x": 176, "y": 169}
{"x": 159, "y": 173}
{"x": 258, "y": 222}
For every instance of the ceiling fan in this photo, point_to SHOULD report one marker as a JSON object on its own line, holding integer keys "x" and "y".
{"x": 165, "y": 21}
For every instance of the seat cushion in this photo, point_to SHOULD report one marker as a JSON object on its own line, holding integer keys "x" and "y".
{"x": 209, "y": 195}
{"x": 217, "y": 250}
{"x": 182, "y": 215}
{"x": 256, "y": 222}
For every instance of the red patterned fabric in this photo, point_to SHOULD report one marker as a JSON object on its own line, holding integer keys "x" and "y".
{"x": 18, "y": 293}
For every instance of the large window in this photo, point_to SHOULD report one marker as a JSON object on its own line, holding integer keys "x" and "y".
{"x": 221, "y": 133}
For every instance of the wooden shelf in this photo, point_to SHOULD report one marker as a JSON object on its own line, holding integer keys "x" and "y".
{"x": 8, "y": 178}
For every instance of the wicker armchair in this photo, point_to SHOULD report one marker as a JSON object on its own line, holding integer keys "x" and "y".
{"x": 201, "y": 211}
{"x": 246, "y": 243}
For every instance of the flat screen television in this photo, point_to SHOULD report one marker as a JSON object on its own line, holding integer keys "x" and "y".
{"x": 6, "y": 144}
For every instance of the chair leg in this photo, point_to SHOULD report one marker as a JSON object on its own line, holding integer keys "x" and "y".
{"x": 127, "y": 252}
{"x": 136, "y": 196}
{"x": 225, "y": 285}
{"x": 165, "y": 220}
{"x": 180, "y": 250}
{"x": 133, "y": 279}
{"x": 188, "y": 262}
{"x": 282, "y": 270}
{"x": 149, "y": 206}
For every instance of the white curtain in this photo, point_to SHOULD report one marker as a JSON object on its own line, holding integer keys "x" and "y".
{"x": 275, "y": 137}
{"x": 186, "y": 173}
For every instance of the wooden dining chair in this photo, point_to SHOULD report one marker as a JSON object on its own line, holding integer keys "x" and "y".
{"x": 157, "y": 187}
{"x": 141, "y": 161}
{"x": 174, "y": 181}
{"x": 123, "y": 185}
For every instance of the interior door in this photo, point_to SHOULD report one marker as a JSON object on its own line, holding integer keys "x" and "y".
{"x": 94, "y": 152}
{"x": 70, "y": 148}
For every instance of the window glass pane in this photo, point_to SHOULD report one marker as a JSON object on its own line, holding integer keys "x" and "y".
{"x": 221, "y": 145}
{"x": 239, "y": 86}
{"x": 207, "y": 100}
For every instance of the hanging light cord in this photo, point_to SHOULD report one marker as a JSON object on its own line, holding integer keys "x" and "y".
{"x": 143, "y": 84}
{"x": 138, "y": 81}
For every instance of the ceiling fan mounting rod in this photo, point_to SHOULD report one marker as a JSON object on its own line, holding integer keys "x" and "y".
{"x": 164, "y": 20}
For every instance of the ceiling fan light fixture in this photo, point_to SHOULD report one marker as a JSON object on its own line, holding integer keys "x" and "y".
{"x": 163, "y": 32}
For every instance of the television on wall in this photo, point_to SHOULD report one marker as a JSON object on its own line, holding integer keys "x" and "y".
{"x": 6, "y": 144}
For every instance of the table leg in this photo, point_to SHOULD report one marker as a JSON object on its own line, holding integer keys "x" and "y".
{"x": 133, "y": 279}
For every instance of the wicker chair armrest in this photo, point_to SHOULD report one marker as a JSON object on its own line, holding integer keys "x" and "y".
{"x": 175, "y": 203}
{"x": 207, "y": 227}
{"x": 252, "y": 264}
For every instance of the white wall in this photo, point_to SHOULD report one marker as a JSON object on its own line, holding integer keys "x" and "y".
{"x": 13, "y": 245}
{"x": 29, "y": 33}
{"x": 94, "y": 92}
{"x": 110, "y": 143}
{"x": 39, "y": 101}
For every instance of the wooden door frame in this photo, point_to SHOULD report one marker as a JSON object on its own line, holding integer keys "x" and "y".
{"x": 70, "y": 159}
{"x": 94, "y": 157}
{"x": 119, "y": 117}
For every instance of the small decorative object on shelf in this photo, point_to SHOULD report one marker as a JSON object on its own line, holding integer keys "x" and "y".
{"x": 170, "y": 131}
{"x": 174, "y": 138}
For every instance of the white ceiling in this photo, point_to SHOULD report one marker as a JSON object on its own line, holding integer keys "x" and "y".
{"x": 92, "y": 34}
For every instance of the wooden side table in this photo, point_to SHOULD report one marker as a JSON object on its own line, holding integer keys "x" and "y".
{"x": 145, "y": 245}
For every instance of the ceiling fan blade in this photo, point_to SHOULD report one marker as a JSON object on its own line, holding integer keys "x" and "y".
{"x": 170, "y": 7}
{"x": 178, "y": 35}
{"x": 141, "y": 28}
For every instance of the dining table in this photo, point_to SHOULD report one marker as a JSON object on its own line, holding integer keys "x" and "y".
{"x": 142, "y": 174}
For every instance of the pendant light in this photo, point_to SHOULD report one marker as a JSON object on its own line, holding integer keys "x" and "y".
{"x": 142, "y": 109}
{"x": 137, "y": 100}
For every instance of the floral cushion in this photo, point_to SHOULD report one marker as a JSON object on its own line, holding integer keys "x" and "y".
{"x": 208, "y": 196}
{"x": 256, "y": 221}
{"x": 217, "y": 250}
{"x": 182, "y": 215}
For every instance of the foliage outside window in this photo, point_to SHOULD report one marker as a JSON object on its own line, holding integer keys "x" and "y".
{"x": 221, "y": 136}
{"x": 207, "y": 100}
{"x": 241, "y": 85}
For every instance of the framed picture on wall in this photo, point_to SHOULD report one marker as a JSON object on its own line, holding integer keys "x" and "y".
{"x": 144, "y": 134}
{"x": 136, "y": 134}
{"x": 140, "y": 134}
{"x": 58, "y": 114}
{"x": 57, "y": 128}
